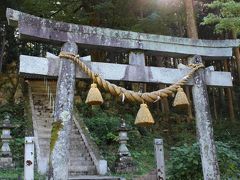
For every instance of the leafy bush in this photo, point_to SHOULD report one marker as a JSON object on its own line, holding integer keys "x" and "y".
{"x": 103, "y": 127}
{"x": 185, "y": 162}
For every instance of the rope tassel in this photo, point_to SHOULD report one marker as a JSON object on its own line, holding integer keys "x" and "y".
{"x": 94, "y": 96}
{"x": 144, "y": 116}
{"x": 181, "y": 100}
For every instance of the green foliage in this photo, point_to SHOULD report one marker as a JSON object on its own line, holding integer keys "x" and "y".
{"x": 17, "y": 119}
{"x": 185, "y": 162}
{"x": 226, "y": 16}
{"x": 103, "y": 127}
{"x": 228, "y": 132}
{"x": 17, "y": 173}
{"x": 11, "y": 174}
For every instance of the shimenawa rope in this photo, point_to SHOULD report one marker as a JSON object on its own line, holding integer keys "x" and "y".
{"x": 128, "y": 94}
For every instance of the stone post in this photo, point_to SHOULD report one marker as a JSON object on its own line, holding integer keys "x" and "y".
{"x": 29, "y": 158}
{"x": 159, "y": 156}
{"x": 204, "y": 124}
{"x": 61, "y": 128}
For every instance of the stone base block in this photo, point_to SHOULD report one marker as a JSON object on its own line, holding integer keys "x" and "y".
{"x": 124, "y": 165}
{"x": 6, "y": 162}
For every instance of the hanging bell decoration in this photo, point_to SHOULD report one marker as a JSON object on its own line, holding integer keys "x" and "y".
{"x": 144, "y": 116}
{"x": 181, "y": 100}
{"x": 94, "y": 96}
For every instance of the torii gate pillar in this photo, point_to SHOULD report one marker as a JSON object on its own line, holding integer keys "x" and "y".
{"x": 60, "y": 137}
{"x": 204, "y": 124}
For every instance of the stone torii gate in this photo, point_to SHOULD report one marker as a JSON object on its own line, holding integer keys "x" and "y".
{"x": 36, "y": 28}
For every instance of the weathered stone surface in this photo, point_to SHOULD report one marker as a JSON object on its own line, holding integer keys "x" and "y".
{"x": 86, "y": 36}
{"x": 204, "y": 125}
{"x": 43, "y": 66}
{"x": 6, "y": 163}
{"x": 125, "y": 165}
{"x": 29, "y": 158}
{"x": 63, "y": 116}
{"x": 159, "y": 157}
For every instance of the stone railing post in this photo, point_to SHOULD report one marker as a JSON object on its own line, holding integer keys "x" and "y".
{"x": 29, "y": 158}
{"x": 159, "y": 156}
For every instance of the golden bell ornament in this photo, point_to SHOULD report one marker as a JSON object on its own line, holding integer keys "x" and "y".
{"x": 181, "y": 100}
{"x": 94, "y": 96}
{"x": 144, "y": 116}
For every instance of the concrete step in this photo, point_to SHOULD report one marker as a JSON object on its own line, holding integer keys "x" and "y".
{"x": 96, "y": 178}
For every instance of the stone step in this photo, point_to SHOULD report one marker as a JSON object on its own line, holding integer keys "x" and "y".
{"x": 45, "y": 148}
{"x": 79, "y": 154}
{"x": 74, "y": 137}
{"x": 45, "y": 121}
{"x": 87, "y": 158}
{"x": 42, "y": 106}
{"x": 44, "y": 130}
{"x": 44, "y": 140}
{"x": 77, "y": 145}
{"x": 43, "y": 111}
{"x": 95, "y": 178}
{"x": 81, "y": 163}
{"x": 44, "y": 125}
{"x": 82, "y": 170}
{"x": 44, "y": 136}
{"x": 48, "y": 126}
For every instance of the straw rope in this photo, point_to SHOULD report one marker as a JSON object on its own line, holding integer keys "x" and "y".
{"x": 128, "y": 94}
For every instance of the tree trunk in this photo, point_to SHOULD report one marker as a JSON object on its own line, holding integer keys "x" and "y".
{"x": 164, "y": 101}
{"x": 214, "y": 105}
{"x": 229, "y": 96}
{"x": 192, "y": 33}
{"x": 191, "y": 21}
{"x": 61, "y": 127}
{"x": 190, "y": 114}
{"x": 237, "y": 55}
{"x": 2, "y": 48}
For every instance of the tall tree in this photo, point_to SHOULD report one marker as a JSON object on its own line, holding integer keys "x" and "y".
{"x": 192, "y": 33}
{"x": 226, "y": 18}
{"x": 191, "y": 21}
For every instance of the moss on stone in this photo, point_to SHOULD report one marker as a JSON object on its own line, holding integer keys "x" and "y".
{"x": 56, "y": 127}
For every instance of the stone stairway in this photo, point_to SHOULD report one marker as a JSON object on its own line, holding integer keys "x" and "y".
{"x": 81, "y": 161}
